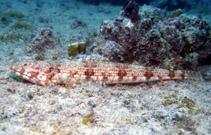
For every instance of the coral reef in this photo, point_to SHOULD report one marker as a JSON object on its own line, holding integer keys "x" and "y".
{"x": 152, "y": 37}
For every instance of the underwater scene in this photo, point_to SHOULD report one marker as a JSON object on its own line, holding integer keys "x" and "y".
{"x": 105, "y": 67}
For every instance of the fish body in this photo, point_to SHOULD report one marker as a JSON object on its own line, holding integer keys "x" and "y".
{"x": 105, "y": 72}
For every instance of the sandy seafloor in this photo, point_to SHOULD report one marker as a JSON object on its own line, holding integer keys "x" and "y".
{"x": 168, "y": 107}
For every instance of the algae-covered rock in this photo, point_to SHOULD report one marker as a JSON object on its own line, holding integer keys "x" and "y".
{"x": 153, "y": 38}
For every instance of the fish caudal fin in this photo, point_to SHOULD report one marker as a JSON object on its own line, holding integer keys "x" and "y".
{"x": 194, "y": 76}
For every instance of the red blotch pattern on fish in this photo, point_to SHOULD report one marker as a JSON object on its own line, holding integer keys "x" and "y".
{"x": 105, "y": 72}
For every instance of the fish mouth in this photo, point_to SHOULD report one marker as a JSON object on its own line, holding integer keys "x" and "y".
{"x": 18, "y": 70}
{"x": 29, "y": 73}
{"x": 22, "y": 75}
{"x": 17, "y": 75}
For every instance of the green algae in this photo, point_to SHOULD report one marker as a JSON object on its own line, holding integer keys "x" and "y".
{"x": 171, "y": 64}
{"x": 14, "y": 14}
{"x": 21, "y": 25}
{"x": 159, "y": 18}
{"x": 171, "y": 100}
{"x": 175, "y": 13}
{"x": 8, "y": 17}
{"x": 1, "y": 37}
{"x": 12, "y": 37}
{"x": 186, "y": 49}
{"x": 182, "y": 102}
{"x": 187, "y": 103}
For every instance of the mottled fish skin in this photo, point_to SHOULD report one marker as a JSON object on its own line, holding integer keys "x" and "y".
{"x": 106, "y": 72}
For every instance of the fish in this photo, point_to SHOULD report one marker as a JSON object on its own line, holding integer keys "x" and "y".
{"x": 73, "y": 72}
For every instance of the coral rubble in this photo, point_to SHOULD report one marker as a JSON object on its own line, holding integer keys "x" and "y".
{"x": 44, "y": 45}
{"x": 43, "y": 41}
{"x": 152, "y": 37}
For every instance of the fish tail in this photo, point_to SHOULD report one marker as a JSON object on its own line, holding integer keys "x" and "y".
{"x": 193, "y": 76}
